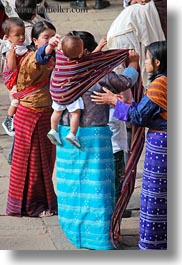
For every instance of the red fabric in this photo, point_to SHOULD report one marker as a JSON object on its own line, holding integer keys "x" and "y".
{"x": 10, "y": 77}
{"x": 31, "y": 188}
{"x": 28, "y": 90}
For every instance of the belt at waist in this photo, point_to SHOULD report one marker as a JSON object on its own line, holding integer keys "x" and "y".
{"x": 160, "y": 131}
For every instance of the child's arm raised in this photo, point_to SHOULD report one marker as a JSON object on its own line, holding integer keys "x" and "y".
{"x": 53, "y": 43}
{"x": 101, "y": 45}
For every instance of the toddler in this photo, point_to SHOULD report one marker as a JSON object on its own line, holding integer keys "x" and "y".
{"x": 13, "y": 50}
{"x": 70, "y": 48}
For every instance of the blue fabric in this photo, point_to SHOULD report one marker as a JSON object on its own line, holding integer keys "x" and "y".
{"x": 121, "y": 111}
{"x": 153, "y": 209}
{"x": 144, "y": 114}
{"x": 41, "y": 57}
{"x": 132, "y": 73}
{"x": 85, "y": 187}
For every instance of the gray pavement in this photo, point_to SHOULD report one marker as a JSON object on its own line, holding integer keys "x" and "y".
{"x": 44, "y": 233}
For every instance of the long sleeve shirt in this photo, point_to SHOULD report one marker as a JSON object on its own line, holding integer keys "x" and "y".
{"x": 150, "y": 111}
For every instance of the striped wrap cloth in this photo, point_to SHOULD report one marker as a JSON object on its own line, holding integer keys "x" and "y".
{"x": 71, "y": 79}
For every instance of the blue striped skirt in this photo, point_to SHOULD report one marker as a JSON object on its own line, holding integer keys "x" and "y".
{"x": 153, "y": 208}
{"x": 85, "y": 187}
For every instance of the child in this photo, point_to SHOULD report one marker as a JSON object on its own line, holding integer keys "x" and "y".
{"x": 13, "y": 51}
{"x": 72, "y": 47}
{"x": 27, "y": 11}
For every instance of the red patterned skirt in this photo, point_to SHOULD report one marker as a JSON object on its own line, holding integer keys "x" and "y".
{"x": 31, "y": 189}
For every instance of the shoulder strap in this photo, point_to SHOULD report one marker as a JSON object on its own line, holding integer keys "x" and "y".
{"x": 10, "y": 77}
{"x": 30, "y": 90}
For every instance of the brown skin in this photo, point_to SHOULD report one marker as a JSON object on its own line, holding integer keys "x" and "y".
{"x": 105, "y": 98}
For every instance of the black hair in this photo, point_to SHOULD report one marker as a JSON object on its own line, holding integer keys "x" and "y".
{"x": 37, "y": 29}
{"x": 10, "y": 22}
{"x": 88, "y": 39}
{"x": 26, "y": 9}
{"x": 158, "y": 50}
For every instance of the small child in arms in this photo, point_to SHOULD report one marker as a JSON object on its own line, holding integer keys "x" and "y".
{"x": 70, "y": 48}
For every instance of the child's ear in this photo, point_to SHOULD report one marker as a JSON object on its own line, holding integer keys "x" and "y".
{"x": 5, "y": 36}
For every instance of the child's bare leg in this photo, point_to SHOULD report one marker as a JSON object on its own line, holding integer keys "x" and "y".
{"x": 53, "y": 134}
{"x": 12, "y": 110}
{"x": 55, "y": 118}
{"x": 74, "y": 123}
{"x": 75, "y": 120}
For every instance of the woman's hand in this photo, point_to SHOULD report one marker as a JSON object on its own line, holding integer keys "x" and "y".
{"x": 105, "y": 98}
{"x": 133, "y": 59}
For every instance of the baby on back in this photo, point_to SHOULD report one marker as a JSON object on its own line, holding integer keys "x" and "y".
{"x": 72, "y": 48}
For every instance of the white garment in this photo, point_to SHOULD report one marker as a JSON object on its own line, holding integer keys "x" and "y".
{"x": 19, "y": 49}
{"x": 119, "y": 137}
{"x": 5, "y": 46}
{"x": 136, "y": 27}
{"x": 9, "y": 7}
{"x": 118, "y": 127}
{"x": 77, "y": 104}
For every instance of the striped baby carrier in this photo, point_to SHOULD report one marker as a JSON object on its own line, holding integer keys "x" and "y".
{"x": 72, "y": 78}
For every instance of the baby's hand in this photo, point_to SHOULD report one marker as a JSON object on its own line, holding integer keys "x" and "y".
{"x": 52, "y": 44}
{"x": 102, "y": 43}
{"x": 60, "y": 44}
{"x": 54, "y": 41}
{"x": 13, "y": 48}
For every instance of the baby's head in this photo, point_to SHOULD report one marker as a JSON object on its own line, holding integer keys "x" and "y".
{"x": 72, "y": 47}
{"x": 14, "y": 30}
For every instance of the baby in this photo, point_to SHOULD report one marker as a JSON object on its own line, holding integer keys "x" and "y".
{"x": 13, "y": 50}
{"x": 71, "y": 48}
